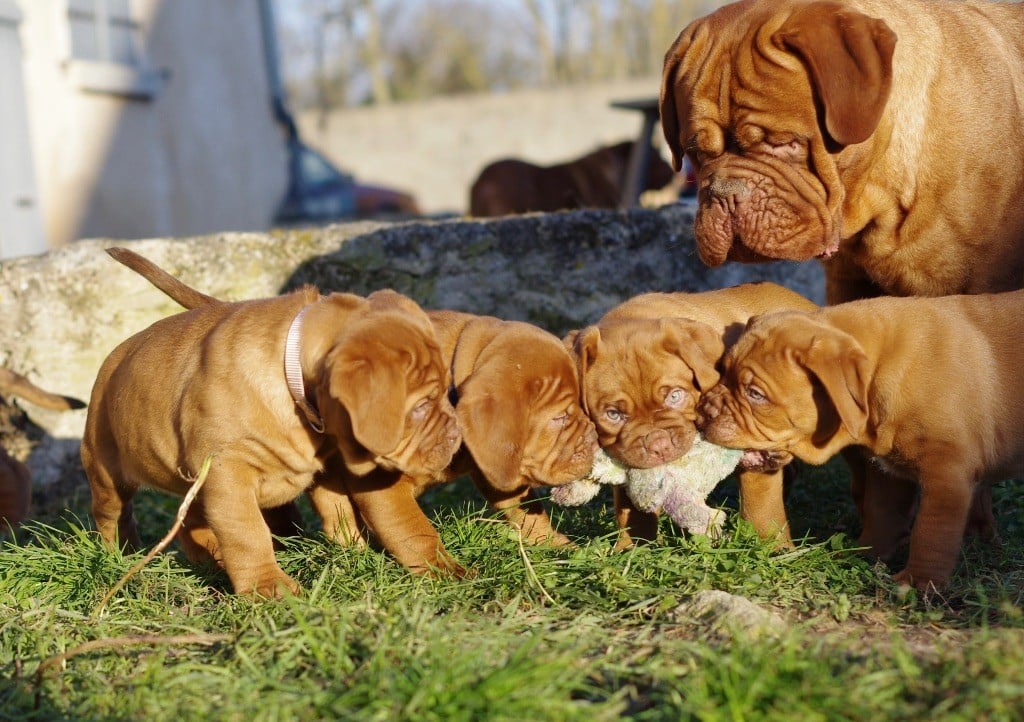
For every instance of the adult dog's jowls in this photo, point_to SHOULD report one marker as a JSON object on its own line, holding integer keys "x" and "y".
{"x": 15, "y": 477}
{"x": 880, "y": 136}
{"x": 645, "y": 365}
{"x": 931, "y": 387}
{"x": 874, "y": 130}
{"x": 279, "y": 392}
{"x": 517, "y": 401}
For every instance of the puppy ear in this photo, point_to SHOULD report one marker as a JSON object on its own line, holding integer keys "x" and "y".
{"x": 374, "y": 397}
{"x": 842, "y": 367}
{"x": 698, "y": 345}
{"x": 494, "y": 430}
{"x": 670, "y": 124}
{"x": 583, "y": 346}
{"x": 849, "y": 58}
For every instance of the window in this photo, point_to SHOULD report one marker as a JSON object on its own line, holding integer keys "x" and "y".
{"x": 106, "y": 50}
{"x": 103, "y": 30}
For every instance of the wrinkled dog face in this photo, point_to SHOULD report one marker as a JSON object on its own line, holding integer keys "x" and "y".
{"x": 389, "y": 387}
{"x": 641, "y": 382}
{"x": 789, "y": 384}
{"x": 802, "y": 83}
{"x": 560, "y": 437}
{"x": 521, "y": 417}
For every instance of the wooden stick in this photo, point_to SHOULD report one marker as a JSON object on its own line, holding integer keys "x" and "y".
{"x": 178, "y": 523}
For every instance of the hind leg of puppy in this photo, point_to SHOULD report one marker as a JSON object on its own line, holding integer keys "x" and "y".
{"x": 197, "y": 540}
{"x": 247, "y": 550}
{"x": 762, "y": 504}
{"x": 886, "y": 509}
{"x": 635, "y": 526}
{"x": 524, "y": 511}
{"x": 938, "y": 530}
{"x": 393, "y": 515}
{"x": 981, "y": 522}
{"x": 333, "y": 504}
{"x": 112, "y": 508}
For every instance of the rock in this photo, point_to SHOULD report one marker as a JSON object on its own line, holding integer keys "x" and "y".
{"x": 62, "y": 312}
{"x": 725, "y": 616}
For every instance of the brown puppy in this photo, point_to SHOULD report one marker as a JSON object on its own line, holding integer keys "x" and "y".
{"x": 931, "y": 387}
{"x": 280, "y": 392}
{"x": 644, "y": 366}
{"x": 518, "y": 405}
{"x": 15, "y": 479}
{"x": 872, "y": 133}
{"x": 594, "y": 180}
{"x": 516, "y": 396}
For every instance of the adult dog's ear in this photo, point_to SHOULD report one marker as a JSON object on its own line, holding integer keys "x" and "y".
{"x": 840, "y": 364}
{"x": 493, "y": 421}
{"x": 848, "y": 56}
{"x": 698, "y": 345}
{"x": 669, "y": 113}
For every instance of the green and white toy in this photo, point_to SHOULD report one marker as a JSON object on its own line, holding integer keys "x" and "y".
{"x": 679, "y": 488}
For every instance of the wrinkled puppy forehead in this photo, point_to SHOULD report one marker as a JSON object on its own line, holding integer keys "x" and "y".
{"x": 388, "y": 300}
{"x": 396, "y": 338}
{"x": 775, "y": 336}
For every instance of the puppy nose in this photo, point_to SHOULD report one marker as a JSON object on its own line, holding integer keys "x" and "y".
{"x": 452, "y": 434}
{"x": 729, "y": 189}
{"x": 708, "y": 409}
{"x": 658, "y": 445}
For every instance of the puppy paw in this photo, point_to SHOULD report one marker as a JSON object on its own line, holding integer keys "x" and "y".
{"x": 925, "y": 583}
{"x": 269, "y": 586}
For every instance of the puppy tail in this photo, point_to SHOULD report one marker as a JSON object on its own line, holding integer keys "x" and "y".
{"x": 12, "y": 384}
{"x": 171, "y": 286}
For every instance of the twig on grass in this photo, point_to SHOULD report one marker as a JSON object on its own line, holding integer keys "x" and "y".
{"x": 129, "y": 640}
{"x": 531, "y": 573}
{"x": 197, "y": 484}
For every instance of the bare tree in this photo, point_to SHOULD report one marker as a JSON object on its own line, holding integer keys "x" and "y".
{"x": 545, "y": 48}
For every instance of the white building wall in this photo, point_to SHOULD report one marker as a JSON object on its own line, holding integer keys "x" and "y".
{"x": 21, "y": 226}
{"x": 203, "y": 154}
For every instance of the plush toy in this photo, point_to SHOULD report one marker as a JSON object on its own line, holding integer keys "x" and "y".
{"x": 680, "y": 488}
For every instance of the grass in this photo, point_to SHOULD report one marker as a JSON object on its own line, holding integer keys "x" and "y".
{"x": 537, "y": 634}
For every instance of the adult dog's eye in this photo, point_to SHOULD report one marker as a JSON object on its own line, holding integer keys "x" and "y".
{"x": 754, "y": 394}
{"x": 675, "y": 398}
{"x": 614, "y": 415}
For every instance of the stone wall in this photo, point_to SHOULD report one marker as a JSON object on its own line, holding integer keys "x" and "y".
{"x": 61, "y": 313}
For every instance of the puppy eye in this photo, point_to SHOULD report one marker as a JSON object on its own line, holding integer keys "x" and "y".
{"x": 755, "y": 395}
{"x": 560, "y": 420}
{"x": 675, "y": 398}
{"x": 419, "y": 412}
{"x": 614, "y": 415}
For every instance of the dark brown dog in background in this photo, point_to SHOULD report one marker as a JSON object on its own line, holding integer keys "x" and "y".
{"x": 594, "y": 180}
{"x": 931, "y": 387}
{"x": 871, "y": 134}
{"x": 219, "y": 381}
{"x": 15, "y": 479}
{"x": 644, "y": 367}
